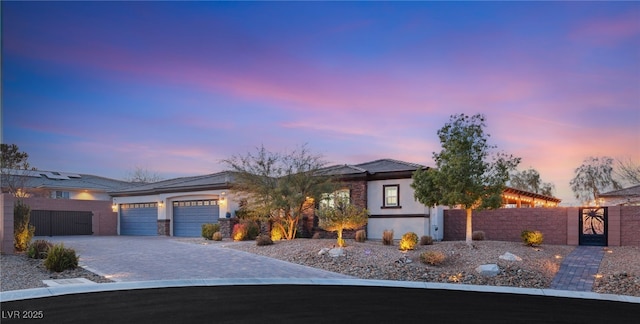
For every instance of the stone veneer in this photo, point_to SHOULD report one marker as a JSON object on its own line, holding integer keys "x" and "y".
{"x": 164, "y": 227}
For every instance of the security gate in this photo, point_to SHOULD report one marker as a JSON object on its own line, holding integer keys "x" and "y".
{"x": 593, "y": 226}
{"x": 61, "y": 222}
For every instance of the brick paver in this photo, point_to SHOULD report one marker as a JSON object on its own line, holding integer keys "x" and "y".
{"x": 139, "y": 258}
{"x": 577, "y": 271}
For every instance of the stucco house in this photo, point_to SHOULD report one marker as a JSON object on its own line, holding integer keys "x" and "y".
{"x": 624, "y": 197}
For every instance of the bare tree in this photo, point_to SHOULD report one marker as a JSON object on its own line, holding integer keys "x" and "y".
{"x": 142, "y": 175}
{"x": 628, "y": 170}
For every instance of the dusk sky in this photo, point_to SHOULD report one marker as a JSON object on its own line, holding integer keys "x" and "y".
{"x": 103, "y": 87}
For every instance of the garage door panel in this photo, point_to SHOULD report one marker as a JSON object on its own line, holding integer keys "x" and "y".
{"x": 139, "y": 219}
{"x": 188, "y": 217}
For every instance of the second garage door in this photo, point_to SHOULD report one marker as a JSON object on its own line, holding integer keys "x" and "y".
{"x": 188, "y": 216}
{"x": 139, "y": 219}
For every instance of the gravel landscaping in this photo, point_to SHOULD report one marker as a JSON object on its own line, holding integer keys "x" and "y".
{"x": 619, "y": 271}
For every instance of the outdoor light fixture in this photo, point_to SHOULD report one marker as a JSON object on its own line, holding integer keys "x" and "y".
{"x": 160, "y": 204}
{"x": 114, "y": 207}
{"x": 222, "y": 194}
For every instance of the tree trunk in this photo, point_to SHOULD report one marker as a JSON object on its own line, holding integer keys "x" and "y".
{"x": 469, "y": 228}
{"x": 340, "y": 240}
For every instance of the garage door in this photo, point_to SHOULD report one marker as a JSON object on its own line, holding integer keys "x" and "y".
{"x": 139, "y": 219}
{"x": 188, "y": 216}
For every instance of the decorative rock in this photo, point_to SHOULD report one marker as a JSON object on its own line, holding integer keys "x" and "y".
{"x": 488, "y": 270}
{"x": 510, "y": 257}
{"x": 336, "y": 252}
{"x": 323, "y": 251}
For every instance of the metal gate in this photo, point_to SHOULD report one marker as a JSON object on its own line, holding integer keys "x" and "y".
{"x": 61, "y": 222}
{"x": 593, "y": 226}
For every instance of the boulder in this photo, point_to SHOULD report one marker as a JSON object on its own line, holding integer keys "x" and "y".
{"x": 336, "y": 252}
{"x": 510, "y": 257}
{"x": 488, "y": 270}
{"x": 323, "y": 251}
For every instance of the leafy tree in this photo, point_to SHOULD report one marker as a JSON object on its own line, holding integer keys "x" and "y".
{"x": 142, "y": 175}
{"x": 467, "y": 173}
{"x": 281, "y": 187}
{"x": 341, "y": 215}
{"x": 628, "y": 170}
{"x": 593, "y": 177}
{"x": 14, "y": 169}
{"x": 529, "y": 180}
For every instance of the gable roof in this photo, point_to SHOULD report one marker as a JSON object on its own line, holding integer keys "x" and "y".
{"x": 220, "y": 180}
{"x": 388, "y": 165}
{"x": 626, "y": 192}
{"x": 64, "y": 180}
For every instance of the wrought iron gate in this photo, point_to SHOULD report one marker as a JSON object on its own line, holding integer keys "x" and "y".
{"x": 593, "y": 226}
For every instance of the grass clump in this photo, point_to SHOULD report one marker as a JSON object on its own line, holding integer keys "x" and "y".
{"x": 432, "y": 257}
{"x": 387, "y": 237}
{"x": 209, "y": 229}
{"x": 408, "y": 241}
{"x": 531, "y": 238}
{"x": 426, "y": 240}
{"x": 361, "y": 236}
{"x": 38, "y": 249}
{"x": 477, "y": 235}
{"x": 60, "y": 258}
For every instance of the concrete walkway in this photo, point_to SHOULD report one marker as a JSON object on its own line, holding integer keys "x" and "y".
{"x": 140, "y": 258}
{"x": 577, "y": 271}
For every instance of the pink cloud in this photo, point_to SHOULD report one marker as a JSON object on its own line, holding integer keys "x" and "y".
{"x": 608, "y": 31}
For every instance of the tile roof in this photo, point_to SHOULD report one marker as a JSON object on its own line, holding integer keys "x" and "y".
{"x": 203, "y": 182}
{"x": 65, "y": 180}
{"x": 630, "y": 191}
{"x": 388, "y": 165}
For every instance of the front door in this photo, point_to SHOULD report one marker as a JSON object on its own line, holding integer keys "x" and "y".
{"x": 593, "y": 226}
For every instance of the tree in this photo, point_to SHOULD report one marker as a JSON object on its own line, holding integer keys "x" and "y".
{"x": 280, "y": 187}
{"x": 628, "y": 170}
{"x": 341, "y": 215}
{"x": 529, "y": 180}
{"x": 467, "y": 173}
{"x": 14, "y": 169}
{"x": 593, "y": 177}
{"x": 142, "y": 175}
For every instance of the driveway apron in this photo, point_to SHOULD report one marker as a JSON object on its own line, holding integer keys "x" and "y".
{"x": 137, "y": 258}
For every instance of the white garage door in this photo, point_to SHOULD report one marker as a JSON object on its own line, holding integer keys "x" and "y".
{"x": 188, "y": 216}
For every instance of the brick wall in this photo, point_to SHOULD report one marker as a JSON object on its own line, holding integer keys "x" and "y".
{"x": 6, "y": 224}
{"x": 559, "y": 225}
{"x": 630, "y": 225}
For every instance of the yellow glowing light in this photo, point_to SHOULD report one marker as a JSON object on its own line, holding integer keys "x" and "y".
{"x": 598, "y": 276}
{"x": 558, "y": 256}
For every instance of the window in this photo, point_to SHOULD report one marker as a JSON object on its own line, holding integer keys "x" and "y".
{"x": 61, "y": 195}
{"x": 391, "y": 196}
{"x": 329, "y": 200}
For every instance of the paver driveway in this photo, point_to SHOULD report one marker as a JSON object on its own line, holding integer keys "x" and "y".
{"x": 138, "y": 258}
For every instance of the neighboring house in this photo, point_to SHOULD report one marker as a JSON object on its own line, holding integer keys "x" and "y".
{"x": 175, "y": 207}
{"x": 516, "y": 198}
{"x": 624, "y": 197}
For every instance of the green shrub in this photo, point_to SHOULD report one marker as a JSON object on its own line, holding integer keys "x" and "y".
{"x": 531, "y": 238}
{"x": 38, "y": 249}
{"x": 217, "y": 236}
{"x": 209, "y": 229}
{"x": 477, "y": 235}
{"x": 408, "y": 241}
{"x": 60, "y": 258}
{"x": 253, "y": 228}
{"x": 263, "y": 239}
{"x": 22, "y": 231}
{"x": 432, "y": 257}
{"x": 426, "y": 240}
{"x": 361, "y": 236}
{"x": 387, "y": 237}
{"x": 276, "y": 233}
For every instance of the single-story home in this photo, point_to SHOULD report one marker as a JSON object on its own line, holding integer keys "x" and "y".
{"x": 624, "y": 197}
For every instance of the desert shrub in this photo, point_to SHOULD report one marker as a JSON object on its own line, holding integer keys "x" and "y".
{"x": 276, "y": 233}
{"x": 22, "y": 231}
{"x": 253, "y": 228}
{"x": 387, "y": 237}
{"x": 531, "y": 238}
{"x": 426, "y": 240}
{"x": 60, "y": 258}
{"x": 209, "y": 229}
{"x": 477, "y": 235}
{"x": 217, "y": 236}
{"x": 239, "y": 232}
{"x": 408, "y": 241}
{"x": 263, "y": 239}
{"x": 38, "y": 249}
{"x": 361, "y": 236}
{"x": 432, "y": 257}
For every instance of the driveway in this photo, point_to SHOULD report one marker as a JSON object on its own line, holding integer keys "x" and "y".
{"x": 138, "y": 258}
